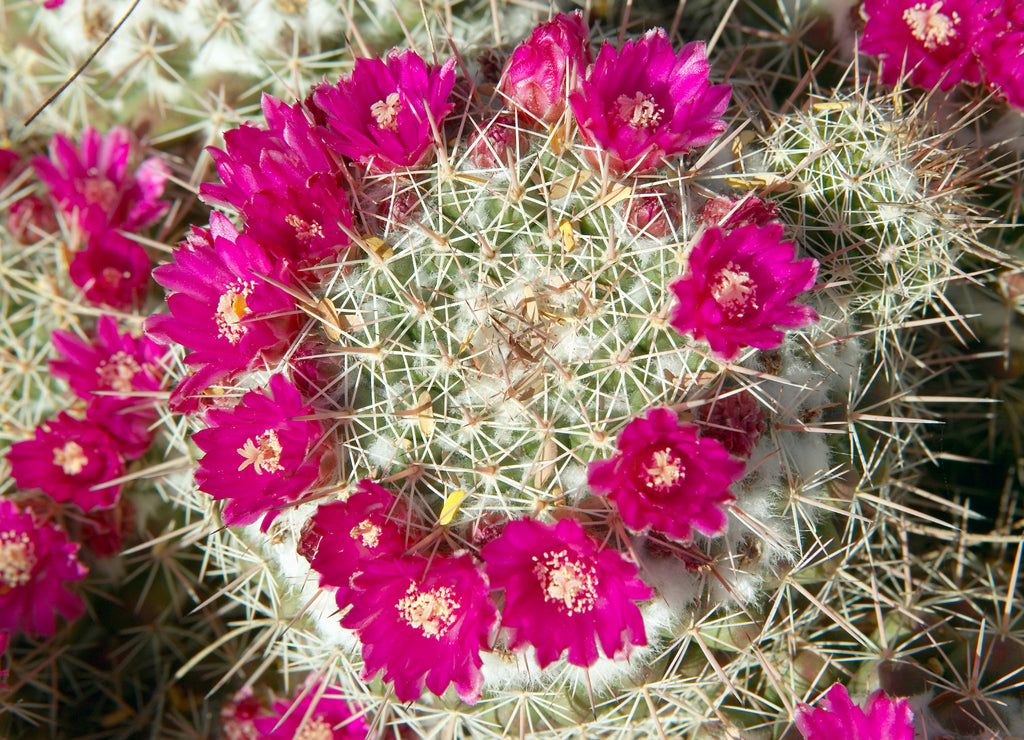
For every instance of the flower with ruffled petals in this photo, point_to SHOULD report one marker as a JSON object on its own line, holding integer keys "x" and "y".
{"x": 260, "y": 455}
{"x": 70, "y": 460}
{"x": 112, "y": 271}
{"x": 222, "y": 308}
{"x": 36, "y": 563}
{"x": 735, "y": 419}
{"x": 934, "y": 42}
{"x": 343, "y": 535}
{"x": 385, "y": 112}
{"x": 286, "y": 185}
{"x": 564, "y": 592}
{"x": 91, "y": 183}
{"x": 315, "y": 714}
{"x": 645, "y": 104}
{"x": 422, "y": 621}
{"x": 666, "y": 478}
{"x": 837, "y": 716}
{"x": 114, "y": 372}
{"x": 547, "y": 66}
{"x": 739, "y": 287}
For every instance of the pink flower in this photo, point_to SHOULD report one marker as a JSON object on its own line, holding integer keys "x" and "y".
{"x": 261, "y": 455}
{"x": 343, "y": 535}
{"x": 31, "y": 218}
{"x": 881, "y": 718}
{"x": 736, "y": 420}
{"x": 731, "y": 214}
{"x": 36, "y": 562}
{"x": 70, "y": 460}
{"x": 423, "y": 620}
{"x": 92, "y": 184}
{"x": 645, "y": 104}
{"x": 112, "y": 271}
{"x": 222, "y": 308}
{"x": 115, "y": 373}
{"x": 286, "y": 185}
{"x": 739, "y": 287}
{"x": 652, "y": 212}
{"x": 564, "y": 592}
{"x": 238, "y": 716}
{"x": 547, "y": 66}
{"x": 666, "y": 478}
{"x": 934, "y": 42}
{"x": 1001, "y": 53}
{"x": 384, "y": 113}
{"x": 497, "y": 144}
{"x": 316, "y": 714}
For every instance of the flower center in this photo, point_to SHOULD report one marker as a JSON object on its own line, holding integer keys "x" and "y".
{"x": 263, "y": 453}
{"x": 305, "y": 231}
{"x": 733, "y": 289}
{"x": 664, "y": 469}
{"x": 70, "y": 458}
{"x": 639, "y": 111}
{"x": 930, "y": 26}
{"x": 98, "y": 191}
{"x": 314, "y": 729}
{"x": 117, "y": 372}
{"x": 366, "y": 532}
{"x": 17, "y": 560}
{"x": 431, "y": 612}
{"x": 112, "y": 277}
{"x": 567, "y": 582}
{"x": 231, "y": 308}
{"x": 385, "y": 112}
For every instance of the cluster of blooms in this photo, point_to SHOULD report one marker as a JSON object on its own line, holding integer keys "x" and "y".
{"x": 423, "y": 608}
{"x": 316, "y": 712}
{"x": 946, "y": 42}
{"x": 71, "y": 466}
{"x": 837, "y": 716}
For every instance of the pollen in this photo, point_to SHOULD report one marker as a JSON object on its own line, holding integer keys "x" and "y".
{"x": 367, "y": 533}
{"x": 263, "y": 453}
{"x": 70, "y": 458}
{"x": 314, "y": 728}
{"x": 117, "y": 372}
{"x": 231, "y": 309}
{"x": 732, "y": 288}
{"x": 567, "y": 582}
{"x": 385, "y": 112}
{"x": 931, "y": 27}
{"x": 305, "y": 231}
{"x": 665, "y": 469}
{"x": 640, "y": 111}
{"x": 431, "y": 612}
{"x": 17, "y": 560}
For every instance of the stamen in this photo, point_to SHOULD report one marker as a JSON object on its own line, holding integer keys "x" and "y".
{"x": 314, "y": 729}
{"x": 385, "y": 112}
{"x": 432, "y": 612}
{"x": 734, "y": 289}
{"x": 117, "y": 372}
{"x": 927, "y": 24}
{"x": 263, "y": 453}
{"x": 305, "y": 231}
{"x": 98, "y": 191}
{"x": 665, "y": 469}
{"x": 567, "y": 582}
{"x": 367, "y": 532}
{"x": 17, "y": 560}
{"x": 231, "y": 309}
{"x": 70, "y": 458}
{"x": 640, "y": 111}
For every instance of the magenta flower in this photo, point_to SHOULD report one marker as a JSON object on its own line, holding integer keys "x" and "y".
{"x": 422, "y": 621}
{"x": 645, "y": 104}
{"x": 36, "y": 563}
{"x": 881, "y": 718}
{"x": 564, "y": 592}
{"x": 117, "y": 374}
{"x": 739, "y": 287}
{"x": 666, "y": 478}
{"x": 652, "y": 212}
{"x": 286, "y": 185}
{"x": 343, "y": 535}
{"x": 31, "y": 218}
{"x": 112, "y": 271}
{"x": 385, "y": 112}
{"x": 934, "y": 42}
{"x": 314, "y": 714}
{"x": 261, "y": 455}
{"x": 545, "y": 68}
{"x": 93, "y": 186}
{"x": 1000, "y": 53}
{"x": 736, "y": 420}
{"x": 731, "y": 214}
{"x": 222, "y": 308}
{"x": 70, "y": 460}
